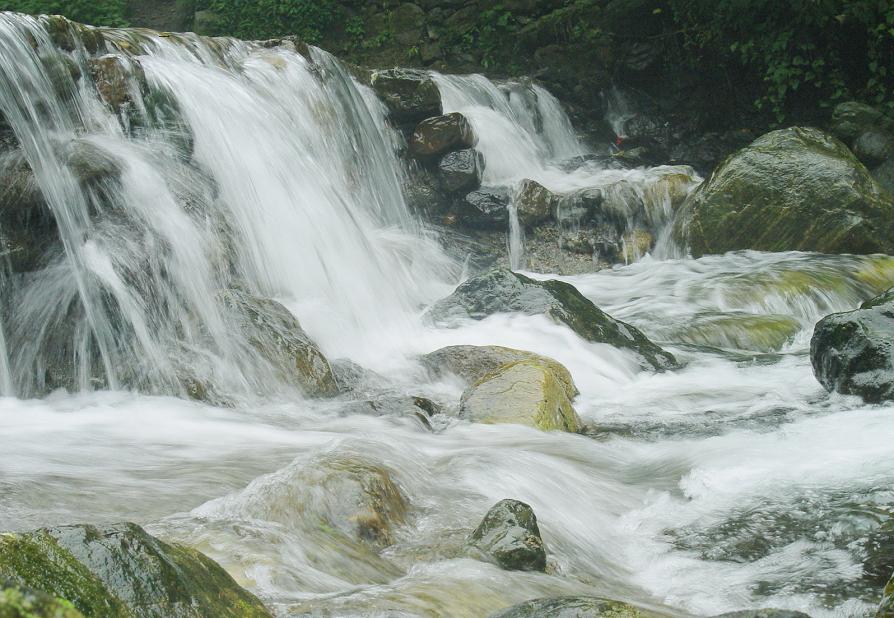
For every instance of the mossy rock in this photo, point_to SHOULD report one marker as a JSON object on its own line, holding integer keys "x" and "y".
{"x": 886, "y": 607}
{"x": 509, "y": 537}
{"x": 503, "y": 291}
{"x": 796, "y": 189}
{"x": 19, "y": 602}
{"x": 525, "y": 392}
{"x": 851, "y": 352}
{"x": 574, "y": 607}
{"x": 278, "y": 337}
{"x": 473, "y": 362}
{"x": 738, "y": 331}
{"x": 121, "y": 571}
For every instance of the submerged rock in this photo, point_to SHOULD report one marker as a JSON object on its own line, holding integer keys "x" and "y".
{"x": 503, "y": 291}
{"x": 852, "y": 352}
{"x": 535, "y": 203}
{"x": 740, "y": 331}
{"x": 509, "y": 537}
{"x": 764, "y": 613}
{"x": 119, "y": 80}
{"x": 277, "y": 335}
{"x": 473, "y": 362}
{"x": 441, "y": 134}
{"x": 20, "y": 602}
{"x": 120, "y": 571}
{"x": 525, "y": 392}
{"x": 461, "y": 170}
{"x": 792, "y": 189}
{"x": 410, "y": 95}
{"x": 573, "y": 607}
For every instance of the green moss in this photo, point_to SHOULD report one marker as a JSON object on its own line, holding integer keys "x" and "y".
{"x": 16, "y": 602}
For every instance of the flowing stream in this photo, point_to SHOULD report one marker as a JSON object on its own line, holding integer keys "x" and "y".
{"x": 736, "y": 482}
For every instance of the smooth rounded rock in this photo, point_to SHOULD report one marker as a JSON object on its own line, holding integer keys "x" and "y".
{"x": 441, "y": 134}
{"x": 509, "y": 537}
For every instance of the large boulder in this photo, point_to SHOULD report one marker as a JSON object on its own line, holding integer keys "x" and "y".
{"x": 525, "y": 392}
{"x": 852, "y": 352}
{"x": 461, "y": 170}
{"x": 441, "y": 134}
{"x": 502, "y": 291}
{"x": 573, "y": 607}
{"x": 473, "y": 362}
{"x": 278, "y": 337}
{"x": 509, "y": 537}
{"x": 792, "y": 189}
{"x": 410, "y": 95}
{"x": 120, "y": 571}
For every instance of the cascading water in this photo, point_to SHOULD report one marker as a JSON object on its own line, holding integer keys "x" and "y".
{"x": 524, "y": 134}
{"x": 735, "y": 482}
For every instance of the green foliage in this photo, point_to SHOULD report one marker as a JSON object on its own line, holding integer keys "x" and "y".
{"x": 801, "y": 50}
{"x": 93, "y": 12}
{"x": 267, "y": 19}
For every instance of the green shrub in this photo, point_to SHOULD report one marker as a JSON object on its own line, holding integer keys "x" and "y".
{"x": 267, "y": 19}
{"x": 94, "y": 12}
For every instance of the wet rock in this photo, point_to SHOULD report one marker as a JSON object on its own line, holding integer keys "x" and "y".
{"x": 421, "y": 408}
{"x": 535, "y": 203}
{"x": 573, "y": 607}
{"x": 886, "y": 607}
{"x": 68, "y": 35}
{"x": 441, "y": 134}
{"x": 119, "y": 80}
{"x": 277, "y": 335}
{"x": 874, "y": 147}
{"x": 20, "y": 602}
{"x": 483, "y": 209}
{"x": 884, "y": 175}
{"x": 352, "y": 377}
{"x": 503, "y": 291}
{"x": 120, "y": 571}
{"x": 759, "y": 333}
{"x": 27, "y": 226}
{"x": 91, "y": 164}
{"x": 792, "y": 189}
{"x": 461, "y": 170}
{"x": 424, "y": 194}
{"x": 525, "y": 392}
{"x": 409, "y": 95}
{"x": 635, "y": 244}
{"x": 473, "y": 362}
{"x": 509, "y": 536}
{"x": 851, "y": 119}
{"x": 852, "y": 352}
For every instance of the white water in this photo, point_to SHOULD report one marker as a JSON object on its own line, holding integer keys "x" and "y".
{"x": 736, "y": 482}
{"x": 524, "y": 133}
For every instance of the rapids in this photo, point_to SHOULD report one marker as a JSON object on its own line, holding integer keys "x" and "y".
{"x": 736, "y": 482}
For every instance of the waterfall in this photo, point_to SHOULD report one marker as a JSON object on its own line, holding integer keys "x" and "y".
{"x": 167, "y": 193}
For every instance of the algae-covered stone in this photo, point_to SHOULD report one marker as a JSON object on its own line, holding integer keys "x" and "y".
{"x": 277, "y": 335}
{"x": 410, "y": 95}
{"x": 886, "y": 607}
{"x": 20, "y": 602}
{"x": 525, "y": 392}
{"x": 473, "y": 362}
{"x": 852, "y": 352}
{"x": 441, "y": 134}
{"x": 740, "y": 331}
{"x": 119, "y": 79}
{"x": 574, "y": 607}
{"x": 509, "y": 536}
{"x": 503, "y": 291}
{"x": 792, "y": 189}
{"x": 120, "y": 571}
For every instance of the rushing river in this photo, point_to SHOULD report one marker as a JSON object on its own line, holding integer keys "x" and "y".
{"x": 732, "y": 483}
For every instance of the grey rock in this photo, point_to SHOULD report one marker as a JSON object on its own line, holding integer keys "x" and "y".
{"x": 509, "y": 536}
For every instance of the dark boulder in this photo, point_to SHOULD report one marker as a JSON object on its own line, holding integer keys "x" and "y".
{"x": 535, "y": 203}
{"x": 503, "y": 291}
{"x": 852, "y": 352}
{"x": 461, "y": 170}
{"x": 509, "y": 536}
{"x": 482, "y": 209}
{"x": 410, "y": 95}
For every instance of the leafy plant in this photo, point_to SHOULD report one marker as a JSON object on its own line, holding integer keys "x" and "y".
{"x": 94, "y": 12}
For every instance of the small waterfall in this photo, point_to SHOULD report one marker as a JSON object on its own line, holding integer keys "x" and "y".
{"x": 523, "y": 133}
{"x": 164, "y": 194}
